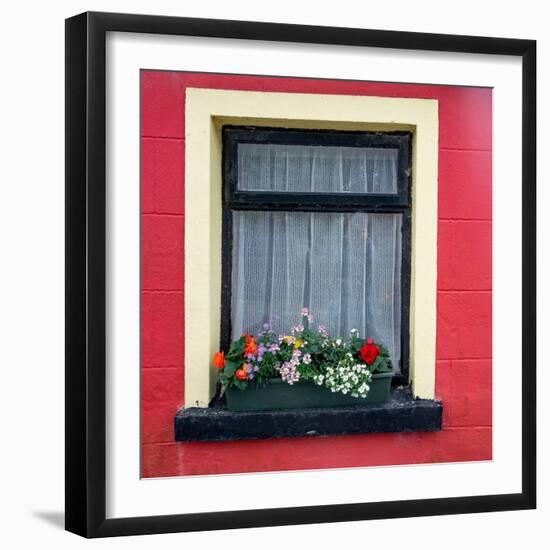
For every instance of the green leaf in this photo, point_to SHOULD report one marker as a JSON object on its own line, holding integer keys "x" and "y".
{"x": 230, "y": 368}
{"x": 381, "y": 364}
{"x": 236, "y": 350}
{"x": 241, "y": 384}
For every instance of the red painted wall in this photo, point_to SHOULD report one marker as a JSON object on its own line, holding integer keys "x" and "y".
{"x": 463, "y": 367}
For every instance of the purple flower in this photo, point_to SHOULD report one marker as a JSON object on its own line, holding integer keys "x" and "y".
{"x": 273, "y": 348}
{"x": 289, "y": 373}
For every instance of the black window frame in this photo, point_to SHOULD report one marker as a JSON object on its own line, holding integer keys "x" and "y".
{"x": 234, "y": 199}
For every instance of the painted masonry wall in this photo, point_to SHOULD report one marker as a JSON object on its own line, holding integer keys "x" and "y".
{"x": 464, "y": 299}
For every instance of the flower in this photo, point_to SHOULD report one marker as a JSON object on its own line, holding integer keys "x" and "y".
{"x": 274, "y": 348}
{"x": 261, "y": 351}
{"x": 242, "y": 373}
{"x": 219, "y": 360}
{"x": 370, "y": 351}
{"x": 304, "y": 312}
{"x": 302, "y": 352}
{"x": 251, "y": 347}
{"x": 289, "y": 373}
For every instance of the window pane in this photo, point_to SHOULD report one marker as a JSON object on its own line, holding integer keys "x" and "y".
{"x": 344, "y": 267}
{"x": 316, "y": 169}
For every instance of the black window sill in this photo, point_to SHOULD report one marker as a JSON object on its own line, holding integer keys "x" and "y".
{"x": 401, "y": 413}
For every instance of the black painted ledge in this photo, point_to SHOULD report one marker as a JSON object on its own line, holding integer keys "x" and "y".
{"x": 401, "y": 413}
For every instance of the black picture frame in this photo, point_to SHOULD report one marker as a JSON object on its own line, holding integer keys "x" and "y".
{"x": 86, "y": 269}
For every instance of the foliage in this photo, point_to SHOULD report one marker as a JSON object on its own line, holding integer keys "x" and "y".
{"x": 306, "y": 354}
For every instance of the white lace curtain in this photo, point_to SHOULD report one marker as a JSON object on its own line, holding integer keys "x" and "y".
{"x": 307, "y": 168}
{"x": 344, "y": 267}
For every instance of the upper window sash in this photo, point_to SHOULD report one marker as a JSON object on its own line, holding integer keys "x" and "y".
{"x": 238, "y": 198}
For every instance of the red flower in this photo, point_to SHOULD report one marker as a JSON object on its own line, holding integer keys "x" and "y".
{"x": 219, "y": 360}
{"x": 251, "y": 347}
{"x": 370, "y": 351}
{"x": 241, "y": 374}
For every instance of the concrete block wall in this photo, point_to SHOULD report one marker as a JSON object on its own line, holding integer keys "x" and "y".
{"x": 464, "y": 301}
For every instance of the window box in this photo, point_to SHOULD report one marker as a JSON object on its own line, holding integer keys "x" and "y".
{"x": 277, "y": 394}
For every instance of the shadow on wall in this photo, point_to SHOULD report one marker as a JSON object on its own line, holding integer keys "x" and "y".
{"x": 57, "y": 519}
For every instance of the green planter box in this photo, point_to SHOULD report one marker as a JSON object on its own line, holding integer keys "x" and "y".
{"x": 277, "y": 394}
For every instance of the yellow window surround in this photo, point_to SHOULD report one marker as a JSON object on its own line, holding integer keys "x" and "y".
{"x": 206, "y": 111}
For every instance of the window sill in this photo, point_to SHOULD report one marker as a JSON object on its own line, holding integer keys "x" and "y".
{"x": 401, "y": 413}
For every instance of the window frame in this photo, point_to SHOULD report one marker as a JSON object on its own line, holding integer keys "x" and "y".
{"x": 234, "y": 199}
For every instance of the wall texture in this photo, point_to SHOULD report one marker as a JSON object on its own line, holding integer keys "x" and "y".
{"x": 464, "y": 328}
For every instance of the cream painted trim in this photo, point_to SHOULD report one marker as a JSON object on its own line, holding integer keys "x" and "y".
{"x": 206, "y": 111}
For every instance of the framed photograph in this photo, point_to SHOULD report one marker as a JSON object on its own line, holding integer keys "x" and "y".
{"x": 300, "y": 274}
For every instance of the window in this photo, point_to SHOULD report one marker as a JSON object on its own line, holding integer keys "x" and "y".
{"x": 207, "y": 113}
{"x": 317, "y": 219}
